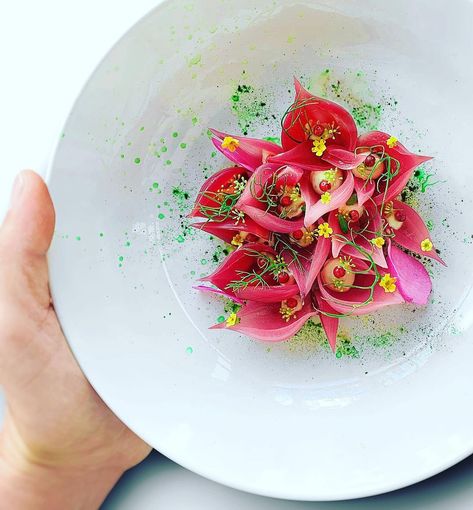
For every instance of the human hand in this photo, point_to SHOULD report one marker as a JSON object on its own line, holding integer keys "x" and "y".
{"x": 60, "y": 447}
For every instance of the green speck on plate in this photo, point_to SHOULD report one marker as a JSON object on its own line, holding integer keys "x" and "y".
{"x": 189, "y": 350}
{"x": 161, "y": 216}
{"x": 137, "y": 161}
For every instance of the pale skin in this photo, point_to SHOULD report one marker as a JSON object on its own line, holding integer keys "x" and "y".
{"x": 60, "y": 446}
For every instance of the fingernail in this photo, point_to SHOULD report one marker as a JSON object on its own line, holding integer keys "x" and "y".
{"x": 17, "y": 190}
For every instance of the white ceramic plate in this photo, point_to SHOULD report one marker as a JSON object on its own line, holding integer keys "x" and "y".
{"x": 290, "y": 420}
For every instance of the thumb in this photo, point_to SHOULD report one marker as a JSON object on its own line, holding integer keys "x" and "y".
{"x": 29, "y": 224}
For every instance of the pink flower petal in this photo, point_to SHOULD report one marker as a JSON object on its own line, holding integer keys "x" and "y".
{"x": 342, "y": 159}
{"x": 263, "y": 321}
{"x": 269, "y": 294}
{"x": 211, "y": 186}
{"x": 408, "y": 162}
{"x": 306, "y": 108}
{"x": 413, "y": 232}
{"x": 413, "y": 281}
{"x": 364, "y": 190}
{"x": 227, "y": 229}
{"x": 353, "y": 301}
{"x": 213, "y": 290}
{"x": 314, "y": 206}
{"x": 250, "y": 153}
{"x": 302, "y": 156}
{"x": 257, "y": 210}
{"x": 330, "y": 324}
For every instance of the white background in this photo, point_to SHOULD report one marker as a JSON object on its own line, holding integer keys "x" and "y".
{"x": 47, "y": 50}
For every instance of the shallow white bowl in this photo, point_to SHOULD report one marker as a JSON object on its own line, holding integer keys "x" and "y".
{"x": 290, "y": 420}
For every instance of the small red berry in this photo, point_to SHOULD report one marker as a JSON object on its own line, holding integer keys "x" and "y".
{"x": 283, "y": 277}
{"x": 285, "y": 201}
{"x": 339, "y": 272}
{"x": 354, "y": 215}
{"x": 325, "y": 186}
{"x": 298, "y": 234}
{"x": 370, "y": 160}
{"x": 291, "y": 302}
{"x": 400, "y": 215}
{"x": 318, "y": 130}
{"x": 251, "y": 238}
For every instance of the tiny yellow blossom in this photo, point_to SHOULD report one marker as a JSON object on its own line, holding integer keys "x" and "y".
{"x": 391, "y": 142}
{"x": 230, "y": 143}
{"x": 326, "y": 197}
{"x": 426, "y": 245}
{"x": 378, "y": 242}
{"x": 232, "y": 319}
{"x": 237, "y": 240}
{"x": 329, "y": 175}
{"x": 388, "y": 283}
{"x": 325, "y": 230}
{"x": 318, "y": 146}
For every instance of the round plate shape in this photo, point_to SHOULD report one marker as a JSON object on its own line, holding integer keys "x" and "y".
{"x": 291, "y": 420}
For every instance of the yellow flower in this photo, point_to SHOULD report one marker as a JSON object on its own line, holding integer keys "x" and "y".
{"x": 329, "y": 175}
{"x": 230, "y": 143}
{"x": 237, "y": 240}
{"x": 325, "y": 230}
{"x": 426, "y": 245}
{"x": 326, "y": 197}
{"x": 388, "y": 283}
{"x": 318, "y": 146}
{"x": 232, "y": 319}
{"x": 391, "y": 141}
{"x": 378, "y": 242}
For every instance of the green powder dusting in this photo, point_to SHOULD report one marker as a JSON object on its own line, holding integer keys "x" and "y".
{"x": 164, "y": 149}
{"x": 122, "y": 156}
{"x": 220, "y": 319}
{"x": 155, "y": 185}
{"x": 161, "y": 216}
{"x": 168, "y": 162}
{"x": 213, "y": 154}
{"x": 175, "y": 134}
{"x": 274, "y": 139}
{"x": 120, "y": 258}
{"x": 429, "y": 224}
{"x": 142, "y": 128}
{"x": 180, "y": 239}
{"x": 101, "y": 234}
{"x": 182, "y": 145}
{"x": 204, "y": 262}
{"x": 367, "y": 116}
{"x": 194, "y": 60}
{"x": 195, "y": 120}
{"x": 248, "y": 108}
{"x": 189, "y": 350}
{"x": 78, "y": 238}
{"x": 137, "y": 161}
{"x": 345, "y": 347}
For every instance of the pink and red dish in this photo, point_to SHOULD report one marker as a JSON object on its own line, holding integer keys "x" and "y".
{"x": 316, "y": 225}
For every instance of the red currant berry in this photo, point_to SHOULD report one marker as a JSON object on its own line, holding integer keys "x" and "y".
{"x": 283, "y": 277}
{"x": 400, "y": 215}
{"x": 298, "y": 234}
{"x": 354, "y": 215}
{"x": 339, "y": 272}
{"x": 291, "y": 302}
{"x": 318, "y": 130}
{"x": 325, "y": 186}
{"x": 370, "y": 160}
{"x": 285, "y": 201}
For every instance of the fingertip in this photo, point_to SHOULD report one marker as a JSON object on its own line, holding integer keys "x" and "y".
{"x": 30, "y": 221}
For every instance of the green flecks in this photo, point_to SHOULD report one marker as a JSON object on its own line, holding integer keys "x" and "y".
{"x": 175, "y": 134}
{"x": 161, "y": 216}
{"x": 230, "y": 307}
{"x": 213, "y": 154}
{"x": 429, "y": 224}
{"x": 273, "y": 139}
{"x": 248, "y": 108}
{"x": 137, "y": 161}
{"x": 78, "y": 238}
{"x": 180, "y": 239}
{"x": 385, "y": 339}
{"x": 189, "y": 350}
{"x": 291, "y": 39}
{"x": 194, "y": 61}
{"x": 345, "y": 347}
{"x": 183, "y": 145}
{"x": 127, "y": 244}
{"x": 195, "y": 120}
{"x": 164, "y": 148}
{"x": 220, "y": 252}
{"x": 168, "y": 162}
{"x": 142, "y": 128}
{"x": 221, "y": 319}
{"x": 204, "y": 262}
{"x": 367, "y": 116}
{"x": 155, "y": 185}
{"x": 101, "y": 234}
{"x": 120, "y": 261}
{"x": 122, "y": 156}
